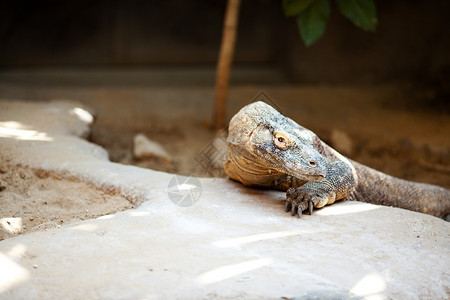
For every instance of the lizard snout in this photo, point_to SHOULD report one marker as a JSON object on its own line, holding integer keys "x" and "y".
{"x": 312, "y": 169}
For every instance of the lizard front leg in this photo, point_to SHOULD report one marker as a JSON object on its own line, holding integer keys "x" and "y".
{"x": 339, "y": 183}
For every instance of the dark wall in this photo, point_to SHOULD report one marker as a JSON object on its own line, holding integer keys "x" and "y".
{"x": 133, "y": 32}
{"x": 411, "y": 42}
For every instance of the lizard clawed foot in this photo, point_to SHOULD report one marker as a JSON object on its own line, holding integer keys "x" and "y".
{"x": 299, "y": 200}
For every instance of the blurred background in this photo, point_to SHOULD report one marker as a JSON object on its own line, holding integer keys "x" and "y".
{"x": 410, "y": 43}
{"x": 149, "y": 67}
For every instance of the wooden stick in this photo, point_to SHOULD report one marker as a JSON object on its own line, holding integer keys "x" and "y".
{"x": 224, "y": 62}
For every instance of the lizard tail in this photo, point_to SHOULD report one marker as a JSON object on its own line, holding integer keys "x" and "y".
{"x": 379, "y": 188}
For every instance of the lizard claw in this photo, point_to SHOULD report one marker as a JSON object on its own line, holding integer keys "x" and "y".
{"x": 291, "y": 194}
{"x": 294, "y": 202}
{"x": 288, "y": 205}
{"x": 293, "y": 209}
{"x": 310, "y": 207}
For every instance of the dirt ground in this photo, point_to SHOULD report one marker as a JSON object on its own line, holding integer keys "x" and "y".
{"x": 387, "y": 127}
{"x": 34, "y": 200}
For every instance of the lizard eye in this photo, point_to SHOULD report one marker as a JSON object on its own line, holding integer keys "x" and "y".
{"x": 281, "y": 140}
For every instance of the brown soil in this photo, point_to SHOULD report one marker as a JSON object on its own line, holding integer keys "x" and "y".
{"x": 40, "y": 200}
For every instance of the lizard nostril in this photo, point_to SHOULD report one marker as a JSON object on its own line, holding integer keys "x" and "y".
{"x": 312, "y": 163}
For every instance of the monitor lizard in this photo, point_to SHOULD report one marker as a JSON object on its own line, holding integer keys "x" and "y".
{"x": 267, "y": 149}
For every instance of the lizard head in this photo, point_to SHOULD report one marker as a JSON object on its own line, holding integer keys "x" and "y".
{"x": 277, "y": 142}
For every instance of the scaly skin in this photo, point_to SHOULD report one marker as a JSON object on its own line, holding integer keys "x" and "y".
{"x": 268, "y": 149}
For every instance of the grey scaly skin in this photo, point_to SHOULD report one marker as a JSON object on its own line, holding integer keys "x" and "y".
{"x": 267, "y": 149}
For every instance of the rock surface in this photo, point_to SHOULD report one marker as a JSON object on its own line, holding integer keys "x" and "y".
{"x": 233, "y": 242}
{"x": 143, "y": 148}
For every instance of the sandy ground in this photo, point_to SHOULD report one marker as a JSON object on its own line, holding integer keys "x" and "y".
{"x": 42, "y": 200}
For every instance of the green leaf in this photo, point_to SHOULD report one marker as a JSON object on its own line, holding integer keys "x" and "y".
{"x": 362, "y": 13}
{"x": 295, "y": 7}
{"x": 313, "y": 21}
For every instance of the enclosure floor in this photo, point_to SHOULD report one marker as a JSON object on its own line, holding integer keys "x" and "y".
{"x": 233, "y": 241}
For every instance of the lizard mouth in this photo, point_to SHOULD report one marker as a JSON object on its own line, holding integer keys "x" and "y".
{"x": 308, "y": 177}
{"x": 310, "y": 171}
{"x": 302, "y": 172}
{"x": 315, "y": 178}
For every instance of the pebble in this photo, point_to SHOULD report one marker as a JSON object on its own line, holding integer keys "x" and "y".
{"x": 144, "y": 148}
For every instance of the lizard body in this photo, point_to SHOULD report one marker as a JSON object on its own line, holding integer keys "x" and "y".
{"x": 267, "y": 149}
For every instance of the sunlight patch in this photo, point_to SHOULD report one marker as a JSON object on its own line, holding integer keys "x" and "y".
{"x": 370, "y": 286}
{"x": 226, "y": 272}
{"x": 12, "y": 225}
{"x": 11, "y": 273}
{"x": 345, "y": 209}
{"x": 139, "y": 213}
{"x": 82, "y": 115}
{"x": 17, "y": 251}
{"x": 16, "y": 130}
{"x": 12, "y": 125}
{"x": 257, "y": 237}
